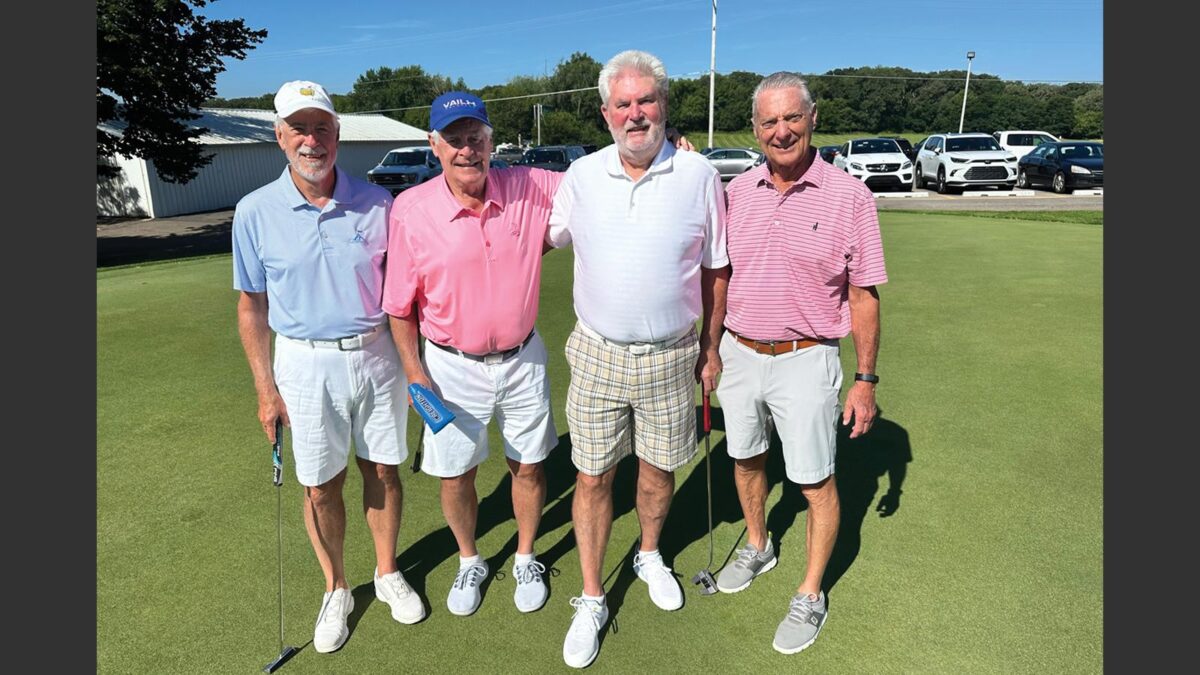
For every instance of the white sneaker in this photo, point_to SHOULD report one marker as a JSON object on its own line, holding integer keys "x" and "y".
{"x": 664, "y": 588}
{"x": 392, "y": 589}
{"x": 331, "y": 631}
{"x": 464, "y": 594}
{"x": 531, "y": 590}
{"x": 583, "y": 638}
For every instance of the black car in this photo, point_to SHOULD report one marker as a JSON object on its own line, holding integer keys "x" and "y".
{"x": 552, "y": 157}
{"x": 828, "y": 152}
{"x": 906, "y": 147}
{"x": 1063, "y": 166}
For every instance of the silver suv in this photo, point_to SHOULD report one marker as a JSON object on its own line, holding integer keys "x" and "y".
{"x": 952, "y": 162}
{"x": 403, "y": 168}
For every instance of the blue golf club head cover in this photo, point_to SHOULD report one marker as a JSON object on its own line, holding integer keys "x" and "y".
{"x": 430, "y": 407}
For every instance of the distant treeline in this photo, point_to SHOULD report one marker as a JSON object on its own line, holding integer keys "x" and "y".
{"x": 870, "y": 100}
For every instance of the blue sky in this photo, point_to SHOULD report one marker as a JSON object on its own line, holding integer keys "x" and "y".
{"x": 491, "y": 42}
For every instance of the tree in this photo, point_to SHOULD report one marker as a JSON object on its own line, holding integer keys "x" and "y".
{"x": 392, "y": 89}
{"x": 156, "y": 61}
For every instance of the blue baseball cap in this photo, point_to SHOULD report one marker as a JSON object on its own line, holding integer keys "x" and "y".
{"x": 455, "y": 105}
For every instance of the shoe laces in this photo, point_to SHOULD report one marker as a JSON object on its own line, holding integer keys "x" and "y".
{"x": 335, "y": 607}
{"x": 527, "y": 574}
{"x": 652, "y": 563}
{"x": 589, "y": 608}
{"x": 469, "y": 577}
{"x": 397, "y": 583}
{"x": 801, "y": 609}
{"x": 746, "y": 555}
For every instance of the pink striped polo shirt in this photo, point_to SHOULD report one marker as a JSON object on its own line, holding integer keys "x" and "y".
{"x": 474, "y": 276}
{"x": 794, "y": 254}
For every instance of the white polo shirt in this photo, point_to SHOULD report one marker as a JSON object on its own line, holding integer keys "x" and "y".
{"x": 639, "y": 245}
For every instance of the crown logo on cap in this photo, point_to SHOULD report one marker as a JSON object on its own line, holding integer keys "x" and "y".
{"x": 306, "y": 91}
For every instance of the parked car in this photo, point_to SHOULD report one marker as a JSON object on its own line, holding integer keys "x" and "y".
{"x": 1020, "y": 143}
{"x": 403, "y": 168}
{"x": 906, "y": 147}
{"x": 508, "y": 152}
{"x": 497, "y": 163}
{"x": 828, "y": 152}
{"x": 730, "y": 162}
{"x": 552, "y": 157}
{"x": 956, "y": 161}
{"x": 1063, "y": 165}
{"x": 878, "y": 162}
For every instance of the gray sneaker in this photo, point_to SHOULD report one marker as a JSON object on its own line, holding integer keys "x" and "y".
{"x": 803, "y": 623}
{"x": 464, "y": 594}
{"x": 750, "y": 563}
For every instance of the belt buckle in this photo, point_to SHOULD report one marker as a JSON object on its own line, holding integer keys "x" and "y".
{"x": 494, "y": 358}
{"x": 640, "y": 348}
{"x": 346, "y": 348}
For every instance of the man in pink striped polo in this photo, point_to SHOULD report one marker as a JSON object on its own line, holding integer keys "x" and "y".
{"x": 464, "y": 269}
{"x": 803, "y": 240}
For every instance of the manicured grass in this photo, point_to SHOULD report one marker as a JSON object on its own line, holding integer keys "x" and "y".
{"x": 1081, "y": 217}
{"x": 991, "y": 400}
{"x": 745, "y": 139}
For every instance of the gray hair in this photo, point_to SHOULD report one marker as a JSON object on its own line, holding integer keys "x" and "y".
{"x": 781, "y": 80}
{"x": 437, "y": 138}
{"x": 643, "y": 62}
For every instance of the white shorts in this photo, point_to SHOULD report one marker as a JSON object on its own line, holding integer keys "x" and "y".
{"x": 516, "y": 391}
{"x": 798, "y": 392}
{"x": 334, "y": 397}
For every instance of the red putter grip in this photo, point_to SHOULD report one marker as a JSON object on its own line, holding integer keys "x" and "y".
{"x": 707, "y": 417}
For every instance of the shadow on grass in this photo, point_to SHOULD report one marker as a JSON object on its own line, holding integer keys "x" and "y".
{"x": 200, "y": 240}
{"x": 861, "y": 463}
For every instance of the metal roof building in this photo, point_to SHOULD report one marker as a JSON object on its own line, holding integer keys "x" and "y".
{"x": 245, "y": 157}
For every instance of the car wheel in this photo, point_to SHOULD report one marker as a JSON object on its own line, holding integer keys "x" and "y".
{"x": 1022, "y": 179}
{"x": 1060, "y": 183}
{"x": 942, "y": 188}
{"x": 916, "y": 177}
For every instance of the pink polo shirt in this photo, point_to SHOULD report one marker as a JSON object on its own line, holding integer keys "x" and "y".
{"x": 794, "y": 254}
{"x": 474, "y": 276}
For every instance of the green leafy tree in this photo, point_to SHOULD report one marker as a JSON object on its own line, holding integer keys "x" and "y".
{"x": 1089, "y": 114}
{"x": 157, "y": 61}
{"x": 264, "y": 102}
{"x": 403, "y": 93}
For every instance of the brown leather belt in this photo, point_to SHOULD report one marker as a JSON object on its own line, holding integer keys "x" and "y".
{"x": 775, "y": 347}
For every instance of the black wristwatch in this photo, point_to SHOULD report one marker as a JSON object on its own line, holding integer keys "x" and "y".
{"x": 866, "y": 377}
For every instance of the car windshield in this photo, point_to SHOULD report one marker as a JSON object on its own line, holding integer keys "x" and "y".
{"x": 540, "y": 156}
{"x": 1082, "y": 150}
{"x": 404, "y": 159}
{"x": 971, "y": 143}
{"x": 873, "y": 145}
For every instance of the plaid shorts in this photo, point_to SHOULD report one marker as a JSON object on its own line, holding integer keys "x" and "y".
{"x": 619, "y": 401}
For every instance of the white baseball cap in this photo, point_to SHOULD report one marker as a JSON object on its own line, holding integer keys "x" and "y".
{"x": 300, "y": 94}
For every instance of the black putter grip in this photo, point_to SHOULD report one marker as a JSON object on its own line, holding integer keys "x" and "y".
{"x": 277, "y": 454}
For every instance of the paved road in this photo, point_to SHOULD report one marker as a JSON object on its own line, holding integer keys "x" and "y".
{"x": 131, "y": 240}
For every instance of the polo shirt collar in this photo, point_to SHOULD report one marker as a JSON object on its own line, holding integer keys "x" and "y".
{"x": 343, "y": 192}
{"x": 814, "y": 175}
{"x": 662, "y": 162}
{"x": 492, "y": 195}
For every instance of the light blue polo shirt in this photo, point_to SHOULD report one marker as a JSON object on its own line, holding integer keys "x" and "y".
{"x": 322, "y": 269}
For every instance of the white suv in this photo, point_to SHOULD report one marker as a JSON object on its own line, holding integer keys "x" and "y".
{"x": 878, "y": 162}
{"x": 952, "y": 162}
{"x": 1020, "y": 143}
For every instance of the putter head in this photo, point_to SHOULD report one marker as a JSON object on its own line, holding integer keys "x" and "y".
{"x": 287, "y": 653}
{"x": 704, "y": 579}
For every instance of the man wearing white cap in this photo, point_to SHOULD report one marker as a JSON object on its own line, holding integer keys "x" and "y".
{"x": 308, "y": 258}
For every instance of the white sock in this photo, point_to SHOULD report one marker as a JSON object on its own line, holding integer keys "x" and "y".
{"x": 464, "y": 563}
{"x": 593, "y": 598}
{"x": 649, "y": 554}
{"x": 525, "y": 558}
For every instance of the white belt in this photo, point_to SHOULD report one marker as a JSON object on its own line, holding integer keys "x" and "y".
{"x": 637, "y": 348}
{"x": 345, "y": 344}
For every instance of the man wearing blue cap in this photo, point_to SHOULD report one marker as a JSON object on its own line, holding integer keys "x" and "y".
{"x": 463, "y": 270}
{"x": 308, "y": 257}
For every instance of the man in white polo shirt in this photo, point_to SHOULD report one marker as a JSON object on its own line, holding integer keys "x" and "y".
{"x": 806, "y": 253}
{"x": 308, "y": 258}
{"x": 647, "y": 226}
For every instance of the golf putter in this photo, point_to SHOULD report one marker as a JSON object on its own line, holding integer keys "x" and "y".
{"x": 704, "y": 577}
{"x": 285, "y": 653}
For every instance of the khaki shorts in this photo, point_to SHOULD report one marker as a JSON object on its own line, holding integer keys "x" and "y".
{"x": 796, "y": 392}
{"x": 620, "y": 402}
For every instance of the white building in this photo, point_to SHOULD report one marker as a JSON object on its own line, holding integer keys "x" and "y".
{"x": 245, "y": 157}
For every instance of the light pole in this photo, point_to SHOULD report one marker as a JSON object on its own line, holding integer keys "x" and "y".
{"x": 963, "y": 114}
{"x": 712, "y": 74}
